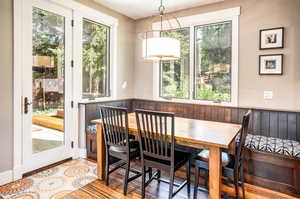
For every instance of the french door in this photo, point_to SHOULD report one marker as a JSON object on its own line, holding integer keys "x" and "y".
{"x": 47, "y": 84}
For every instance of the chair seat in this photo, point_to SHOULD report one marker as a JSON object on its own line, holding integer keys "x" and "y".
{"x": 204, "y": 155}
{"x": 133, "y": 144}
{"x": 180, "y": 158}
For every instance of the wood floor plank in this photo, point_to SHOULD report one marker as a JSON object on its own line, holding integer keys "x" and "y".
{"x": 98, "y": 189}
{"x": 155, "y": 190}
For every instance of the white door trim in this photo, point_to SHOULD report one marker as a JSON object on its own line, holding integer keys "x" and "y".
{"x": 32, "y": 161}
{"x": 17, "y": 92}
{"x": 18, "y": 170}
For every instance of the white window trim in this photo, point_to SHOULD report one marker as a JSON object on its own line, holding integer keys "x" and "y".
{"x": 82, "y": 12}
{"x": 231, "y": 14}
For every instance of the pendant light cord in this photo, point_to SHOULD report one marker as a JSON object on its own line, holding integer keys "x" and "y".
{"x": 161, "y": 10}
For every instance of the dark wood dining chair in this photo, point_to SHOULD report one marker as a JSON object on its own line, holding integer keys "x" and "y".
{"x": 157, "y": 142}
{"x": 120, "y": 147}
{"x": 232, "y": 167}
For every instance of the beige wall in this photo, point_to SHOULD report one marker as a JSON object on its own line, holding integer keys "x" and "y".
{"x": 255, "y": 15}
{"x": 6, "y": 91}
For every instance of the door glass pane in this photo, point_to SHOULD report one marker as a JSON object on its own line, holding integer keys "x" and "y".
{"x": 95, "y": 71}
{"x": 213, "y": 62}
{"x": 47, "y": 80}
{"x": 174, "y": 75}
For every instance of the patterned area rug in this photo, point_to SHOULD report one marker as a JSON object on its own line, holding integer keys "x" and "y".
{"x": 53, "y": 183}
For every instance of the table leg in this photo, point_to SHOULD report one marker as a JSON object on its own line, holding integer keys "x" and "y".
{"x": 215, "y": 173}
{"x": 100, "y": 153}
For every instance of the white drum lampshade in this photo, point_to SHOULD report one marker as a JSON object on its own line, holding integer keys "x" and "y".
{"x": 161, "y": 48}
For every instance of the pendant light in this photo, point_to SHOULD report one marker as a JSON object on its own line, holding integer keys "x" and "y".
{"x": 157, "y": 47}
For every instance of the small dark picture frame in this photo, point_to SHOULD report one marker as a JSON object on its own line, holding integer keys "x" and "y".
{"x": 271, "y": 64}
{"x": 272, "y": 38}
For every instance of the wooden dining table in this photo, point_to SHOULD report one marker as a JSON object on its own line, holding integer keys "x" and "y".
{"x": 199, "y": 134}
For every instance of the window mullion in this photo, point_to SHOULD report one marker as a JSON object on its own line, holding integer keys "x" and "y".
{"x": 192, "y": 63}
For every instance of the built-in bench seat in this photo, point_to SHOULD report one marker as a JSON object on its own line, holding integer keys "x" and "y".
{"x": 273, "y": 145}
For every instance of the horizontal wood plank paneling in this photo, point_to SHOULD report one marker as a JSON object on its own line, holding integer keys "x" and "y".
{"x": 92, "y": 111}
{"x": 265, "y": 123}
{"x": 227, "y": 115}
{"x": 292, "y": 126}
{"x": 271, "y": 123}
{"x": 234, "y": 114}
{"x": 298, "y": 127}
{"x": 282, "y": 125}
{"x": 256, "y": 122}
{"x": 279, "y": 124}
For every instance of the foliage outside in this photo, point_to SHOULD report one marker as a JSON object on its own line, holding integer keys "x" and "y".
{"x": 48, "y": 40}
{"x": 95, "y": 59}
{"x": 212, "y": 64}
{"x": 175, "y": 74}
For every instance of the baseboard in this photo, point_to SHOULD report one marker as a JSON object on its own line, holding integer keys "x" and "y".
{"x": 6, "y": 177}
{"x": 82, "y": 153}
{"x": 17, "y": 173}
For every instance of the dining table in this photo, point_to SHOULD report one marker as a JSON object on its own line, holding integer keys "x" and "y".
{"x": 199, "y": 134}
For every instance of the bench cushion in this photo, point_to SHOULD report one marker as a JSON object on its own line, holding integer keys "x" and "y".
{"x": 91, "y": 128}
{"x": 274, "y": 145}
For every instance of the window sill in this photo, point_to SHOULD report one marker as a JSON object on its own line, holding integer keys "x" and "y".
{"x": 192, "y": 101}
{"x": 102, "y": 99}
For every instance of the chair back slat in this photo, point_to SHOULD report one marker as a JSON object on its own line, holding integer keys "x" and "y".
{"x": 115, "y": 125}
{"x": 156, "y": 134}
{"x": 240, "y": 148}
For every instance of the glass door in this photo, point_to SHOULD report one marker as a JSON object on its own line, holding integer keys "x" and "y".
{"x": 47, "y": 92}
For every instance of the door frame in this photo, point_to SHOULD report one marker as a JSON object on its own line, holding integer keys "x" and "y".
{"x": 78, "y": 11}
{"x": 33, "y": 161}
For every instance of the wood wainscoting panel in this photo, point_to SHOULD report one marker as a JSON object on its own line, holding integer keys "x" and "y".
{"x": 270, "y": 123}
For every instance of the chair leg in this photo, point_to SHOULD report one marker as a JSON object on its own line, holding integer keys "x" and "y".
{"x": 197, "y": 173}
{"x": 243, "y": 189}
{"x": 188, "y": 176}
{"x": 143, "y": 182}
{"x": 206, "y": 177}
{"x": 172, "y": 176}
{"x": 150, "y": 173}
{"x": 158, "y": 175}
{"x": 243, "y": 182}
{"x": 126, "y": 178}
{"x": 107, "y": 170}
{"x": 236, "y": 186}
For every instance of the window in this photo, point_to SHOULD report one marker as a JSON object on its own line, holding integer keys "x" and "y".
{"x": 175, "y": 74}
{"x": 213, "y": 62}
{"x": 95, "y": 57}
{"x": 208, "y": 69}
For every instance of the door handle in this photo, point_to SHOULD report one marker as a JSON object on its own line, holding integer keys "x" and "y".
{"x": 26, "y": 104}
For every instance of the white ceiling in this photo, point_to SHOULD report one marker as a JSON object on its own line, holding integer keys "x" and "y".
{"x": 137, "y": 9}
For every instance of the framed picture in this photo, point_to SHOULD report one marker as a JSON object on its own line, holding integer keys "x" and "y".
{"x": 271, "y": 64}
{"x": 271, "y": 38}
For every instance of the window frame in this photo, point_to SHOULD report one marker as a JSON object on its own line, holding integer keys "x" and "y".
{"x": 108, "y": 73}
{"x": 161, "y": 69}
{"x": 89, "y": 14}
{"x": 230, "y": 14}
